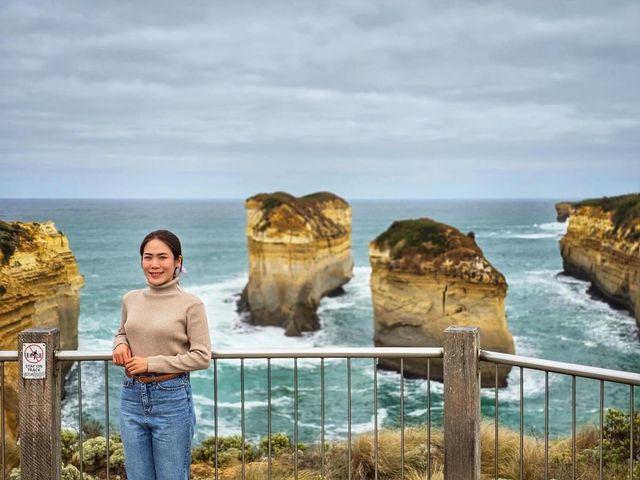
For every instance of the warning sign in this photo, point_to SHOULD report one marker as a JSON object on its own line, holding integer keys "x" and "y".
{"x": 34, "y": 360}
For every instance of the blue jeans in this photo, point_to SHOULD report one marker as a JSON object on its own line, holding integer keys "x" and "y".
{"x": 157, "y": 421}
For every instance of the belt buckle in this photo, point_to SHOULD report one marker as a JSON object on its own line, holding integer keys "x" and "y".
{"x": 146, "y": 377}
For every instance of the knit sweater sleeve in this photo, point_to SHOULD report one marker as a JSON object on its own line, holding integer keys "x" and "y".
{"x": 199, "y": 354}
{"x": 121, "y": 334}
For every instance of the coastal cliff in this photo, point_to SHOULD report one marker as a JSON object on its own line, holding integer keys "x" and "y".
{"x": 299, "y": 252}
{"x": 602, "y": 245}
{"x": 563, "y": 210}
{"x": 39, "y": 287}
{"x": 427, "y": 276}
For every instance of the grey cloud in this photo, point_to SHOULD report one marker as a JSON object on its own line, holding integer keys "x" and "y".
{"x": 220, "y": 87}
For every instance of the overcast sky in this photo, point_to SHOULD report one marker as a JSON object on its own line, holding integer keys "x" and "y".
{"x": 365, "y": 98}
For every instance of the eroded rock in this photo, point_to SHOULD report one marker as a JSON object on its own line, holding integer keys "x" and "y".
{"x": 39, "y": 287}
{"x": 427, "y": 276}
{"x": 299, "y": 252}
{"x": 602, "y": 245}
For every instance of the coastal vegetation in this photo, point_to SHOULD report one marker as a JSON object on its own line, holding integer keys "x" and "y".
{"x": 625, "y": 212}
{"x": 9, "y": 236}
{"x": 336, "y": 466}
{"x": 307, "y": 206}
{"x": 424, "y": 237}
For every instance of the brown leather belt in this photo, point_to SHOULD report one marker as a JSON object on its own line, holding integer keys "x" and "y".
{"x": 156, "y": 378}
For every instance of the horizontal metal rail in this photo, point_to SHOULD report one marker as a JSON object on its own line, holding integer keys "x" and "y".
{"x": 378, "y": 352}
{"x": 551, "y": 366}
{"x": 548, "y": 366}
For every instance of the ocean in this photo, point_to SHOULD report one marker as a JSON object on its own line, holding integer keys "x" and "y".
{"x": 551, "y": 316}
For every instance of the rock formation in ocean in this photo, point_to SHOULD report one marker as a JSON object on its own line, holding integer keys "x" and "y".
{"x": 299, "y": 252}
{"x": 602, "y": 245}
{"x": 39, "y": 287}
{"x": 563, "y": 210}
{"x": 427, "y": 276}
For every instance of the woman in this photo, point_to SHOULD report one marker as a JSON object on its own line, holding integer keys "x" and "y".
{"x": 163, "y": 335}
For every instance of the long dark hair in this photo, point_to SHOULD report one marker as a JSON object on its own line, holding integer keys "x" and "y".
{"x": 170, "y": 239}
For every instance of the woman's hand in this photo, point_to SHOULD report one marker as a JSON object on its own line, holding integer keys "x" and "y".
{"x": 121, "y": 354}
{"x": 136, "y": 366}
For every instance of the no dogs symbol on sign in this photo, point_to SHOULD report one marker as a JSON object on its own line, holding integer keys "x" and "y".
{"x": 34, "y": 360}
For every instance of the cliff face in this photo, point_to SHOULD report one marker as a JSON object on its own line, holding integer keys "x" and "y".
{"x": 299, "y": 251}
{"x": 563, "y": 210}
{"x": 427, "y": 276}
{"x": 39, "y": 287}
{"x": 602, "y": 245}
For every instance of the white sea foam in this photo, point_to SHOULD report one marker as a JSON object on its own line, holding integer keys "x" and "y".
{"x": 602, "y": 324}
{"x": 525, "y": 346}
{"x": 229, "y": 330}
{"x": 555, "y": 226}
{"x": 418, "y": 412}
{"x": 534, "y": 232}
{"x": 533, "y": 236}
{"x": 362, "y": 427}
{"x": 249, "y": 404}
{"x": 619, "y": 332}
{"x": 533, "y": 386}
{"x": 226, "y": 426}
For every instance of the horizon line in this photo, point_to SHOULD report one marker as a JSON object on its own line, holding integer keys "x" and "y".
{"x": 345, "y": 197}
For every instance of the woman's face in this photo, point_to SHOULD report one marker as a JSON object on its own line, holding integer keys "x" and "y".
{"x": 158, "y": 262}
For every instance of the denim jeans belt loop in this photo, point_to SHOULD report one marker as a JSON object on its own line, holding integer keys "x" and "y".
{"x": 156, "y": 378}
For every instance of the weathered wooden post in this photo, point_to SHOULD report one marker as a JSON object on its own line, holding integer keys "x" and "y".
{"x": 39, "y": 403}
{"x": 461, "y": 403}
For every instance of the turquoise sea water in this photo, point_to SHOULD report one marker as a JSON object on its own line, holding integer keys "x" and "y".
{"x": 550, "y": 315}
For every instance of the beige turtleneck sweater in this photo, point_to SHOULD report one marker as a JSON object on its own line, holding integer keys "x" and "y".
{"x": 168, "y": 326}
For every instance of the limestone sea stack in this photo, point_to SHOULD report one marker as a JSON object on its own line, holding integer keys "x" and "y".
{"x": 39, "y": 287}
{"x": 563, "y": 210}
{"x": 602, "y": 245}
{"x": 299, "y": 252}
{"x": 427, "y": 276}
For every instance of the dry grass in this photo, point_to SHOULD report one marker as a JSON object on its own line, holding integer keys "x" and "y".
{"x": 389, "y": 460}
{"x": 280, "y": 470}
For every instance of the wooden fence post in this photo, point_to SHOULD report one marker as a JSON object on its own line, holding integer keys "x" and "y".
{"x": 39, "y": 401}
{"x": 461, "y": 403}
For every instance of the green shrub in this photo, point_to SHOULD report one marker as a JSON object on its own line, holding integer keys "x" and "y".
{"x": 94, "y": 455}
{"x": 616, "y": 437}
{"x": 69, "y": 444}
{"x": 69, "y": 472}
{"x": 229, "y": 450}
{"x": 279, "y": 444}
{"x": 116, "y": 457}
{"x": 10, "y": 234}
{"x": 229, "y": 457}
{"x": 15, "y": 474}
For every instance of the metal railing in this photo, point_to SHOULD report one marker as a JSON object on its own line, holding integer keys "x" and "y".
{"x": 320, "y": 354}
{"x": 573, "y": 371}
{"x": 11, "y": 356}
